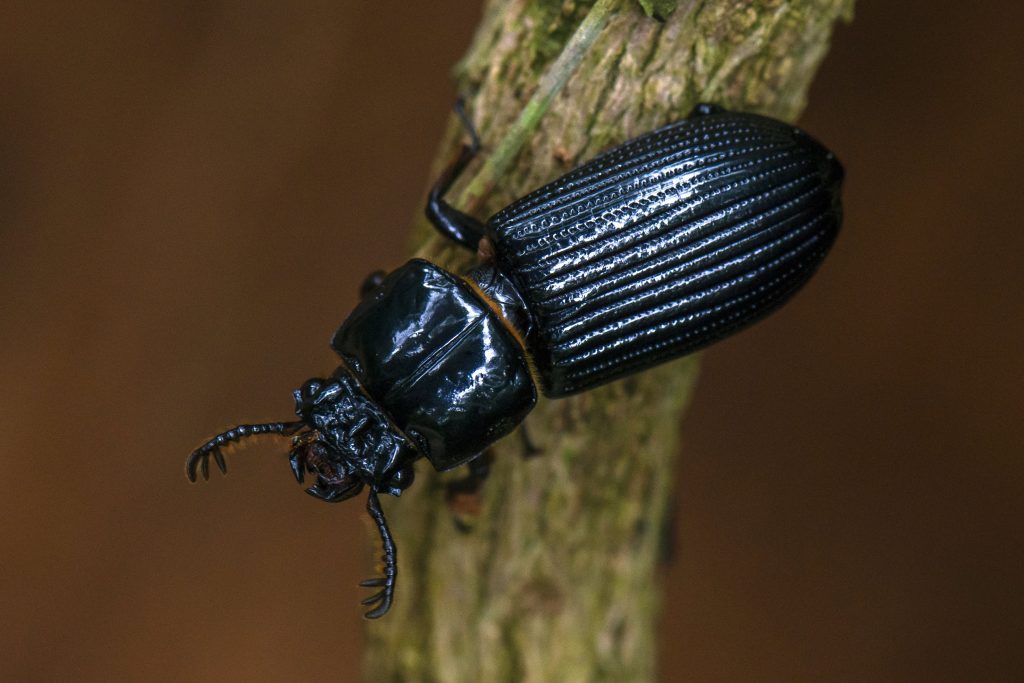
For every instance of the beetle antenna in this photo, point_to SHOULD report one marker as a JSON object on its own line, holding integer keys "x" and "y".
{"x": 387, "y": 582}
{"x": 201, "y": 456}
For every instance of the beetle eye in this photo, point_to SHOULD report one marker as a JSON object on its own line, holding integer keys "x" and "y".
{"x": 306, "y": 394}
{"x": 310, "y": 389}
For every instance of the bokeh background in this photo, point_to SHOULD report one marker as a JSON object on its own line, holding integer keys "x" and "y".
{"x": 190, "y": 195}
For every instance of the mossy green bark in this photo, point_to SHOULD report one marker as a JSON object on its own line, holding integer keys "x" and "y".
{"x": 553, "y": 577}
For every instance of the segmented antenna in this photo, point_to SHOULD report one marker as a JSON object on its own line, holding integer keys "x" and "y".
{"x": 201, "y": 456}
{"x": 387, "y": 582}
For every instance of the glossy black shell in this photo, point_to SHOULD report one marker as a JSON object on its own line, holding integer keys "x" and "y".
{"x": 427, "y": 349}
{"x": 667, "y": 243}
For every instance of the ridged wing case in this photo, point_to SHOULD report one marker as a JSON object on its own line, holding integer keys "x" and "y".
{"x": 667, "y": 243}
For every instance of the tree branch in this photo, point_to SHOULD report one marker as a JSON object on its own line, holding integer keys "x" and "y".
{"x": 555, "y": 578}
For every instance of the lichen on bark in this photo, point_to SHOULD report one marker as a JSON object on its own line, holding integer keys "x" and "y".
{"x": 553, "y": 578}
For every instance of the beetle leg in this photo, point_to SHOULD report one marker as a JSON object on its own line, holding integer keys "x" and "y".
{"x": 530, "y": 449}
{"x": 479, "y": 469}
{"x": 382, "y": 599}
{"x": 463, "y": 495}
{"x": 450, "y": 222}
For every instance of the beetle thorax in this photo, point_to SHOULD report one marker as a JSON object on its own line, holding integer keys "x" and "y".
{"x": 351, "y": 434}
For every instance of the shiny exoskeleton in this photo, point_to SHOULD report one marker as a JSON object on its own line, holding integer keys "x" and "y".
{"x": 652, "y": 250}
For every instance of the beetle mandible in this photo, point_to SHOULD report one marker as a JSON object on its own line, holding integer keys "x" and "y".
{"x": 653, "y": 249}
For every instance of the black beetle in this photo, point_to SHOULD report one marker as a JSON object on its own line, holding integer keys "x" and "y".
{"x": 650, "y": 251}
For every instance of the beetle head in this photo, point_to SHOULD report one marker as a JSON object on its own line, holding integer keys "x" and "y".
{"x": 347, "y": 441}
{"x": 351, "y": 442}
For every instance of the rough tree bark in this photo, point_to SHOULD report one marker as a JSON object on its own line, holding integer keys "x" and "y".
{"x": 552, "y": 576}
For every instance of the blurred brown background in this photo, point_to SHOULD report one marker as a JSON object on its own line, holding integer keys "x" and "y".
{"x": 190, "y": 195}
